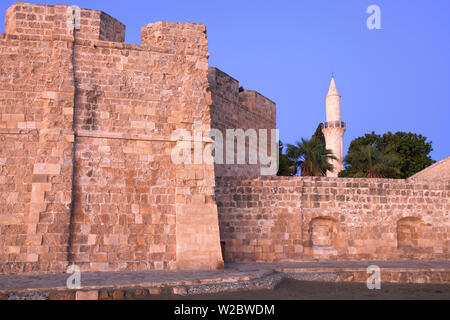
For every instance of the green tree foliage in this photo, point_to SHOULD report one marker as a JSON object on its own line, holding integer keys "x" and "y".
{"x": 413, "y": 149}
{"x": 411, "y": 152}
{"x": 368, "y": 162}
{"x": 287, "y": 167}
{"x": 310, "y": 157}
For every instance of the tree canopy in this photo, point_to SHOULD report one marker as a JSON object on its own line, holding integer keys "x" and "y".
{"x": 310, "y": 157}
{"x": 407, "y": 153}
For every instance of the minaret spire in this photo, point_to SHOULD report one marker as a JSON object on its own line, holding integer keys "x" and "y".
{"x": 333, "y": 89}
{"x": 334, "y": 128}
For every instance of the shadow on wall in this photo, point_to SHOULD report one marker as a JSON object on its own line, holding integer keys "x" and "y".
{"x": 408, "y": 232}
{"x": 323, "y": 235}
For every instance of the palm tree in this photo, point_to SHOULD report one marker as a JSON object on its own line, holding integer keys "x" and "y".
{"x": 287, "y": 167}
{"x": 311, "y": 157}
{"x": 369, "y": 162}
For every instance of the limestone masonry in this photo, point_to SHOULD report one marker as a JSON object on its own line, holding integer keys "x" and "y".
{"x": 275, "y": 219}
{"x": 86, "y": 175}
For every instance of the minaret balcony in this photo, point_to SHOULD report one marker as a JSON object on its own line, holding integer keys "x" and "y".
{"x": 334, "y": 124}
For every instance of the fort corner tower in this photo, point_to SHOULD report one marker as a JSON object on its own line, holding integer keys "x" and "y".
{"x": 334, "y": 129}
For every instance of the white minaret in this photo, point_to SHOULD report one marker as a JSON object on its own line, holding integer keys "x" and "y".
{"x": 334, "y": 129}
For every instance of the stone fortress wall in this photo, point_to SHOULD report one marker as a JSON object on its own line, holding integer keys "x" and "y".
{"x": 86, "y": 175}
{"x": 274, "y": 219}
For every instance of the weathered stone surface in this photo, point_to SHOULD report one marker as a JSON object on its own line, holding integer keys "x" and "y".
{"x": 295, "y": 219}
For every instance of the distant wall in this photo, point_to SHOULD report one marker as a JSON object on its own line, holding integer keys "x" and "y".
{"x": 440, "y": 171}
{"x": 245, "y": 110}
{"x": 297, "y": 219}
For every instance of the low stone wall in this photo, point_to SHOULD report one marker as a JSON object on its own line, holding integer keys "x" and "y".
{"x": 440, "y": 171}
{"x": 274, "y": 219}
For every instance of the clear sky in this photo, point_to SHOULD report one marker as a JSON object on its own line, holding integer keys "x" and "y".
{"x": 393, "y": 79}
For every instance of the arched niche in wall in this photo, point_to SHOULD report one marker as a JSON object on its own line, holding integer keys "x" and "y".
{"x": 323, "y": 232}
{"x": 408, "y": 232}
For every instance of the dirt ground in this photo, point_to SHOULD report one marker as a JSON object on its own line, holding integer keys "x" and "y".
{"x": 290, "y": 289}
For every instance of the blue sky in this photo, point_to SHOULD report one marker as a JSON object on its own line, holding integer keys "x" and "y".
{"x": 393, "y": 79}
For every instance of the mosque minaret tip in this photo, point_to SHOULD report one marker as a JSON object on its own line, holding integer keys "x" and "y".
{"x": 334, "y": 129}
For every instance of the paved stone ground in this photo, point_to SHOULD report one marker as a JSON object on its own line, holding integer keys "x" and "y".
{"x": 395, "y": 264}
{"x": 253, "y": 276}
{"x": 118, "y": 279}
{"x": 290, "y": 289}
